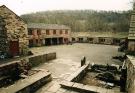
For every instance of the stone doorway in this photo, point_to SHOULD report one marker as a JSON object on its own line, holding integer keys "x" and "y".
{"x": 14, "y": 48}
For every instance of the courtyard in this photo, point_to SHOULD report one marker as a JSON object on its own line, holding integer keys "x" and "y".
{"x": 69, "y": 57}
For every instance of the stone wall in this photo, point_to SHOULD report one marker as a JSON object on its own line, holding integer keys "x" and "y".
{"x": 3, "y": 35}
{"x": 79, "y": 74}
{"x": 73, "y": 83}
{"x": 130, "y": 64}
{"x": 38, "y": 59}
{"x": 16, "y": 29}
{"x": 131, "y": 45}
{"x": 7, "y": 69}
{"x": 30, "y": 84}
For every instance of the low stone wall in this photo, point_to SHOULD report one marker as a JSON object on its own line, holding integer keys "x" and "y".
{"x": 72, "y": 83}
{"x": 38, "y": 59}
{"x": 50, "y": 56}
{"x": 79, "y": 74}
{"x": 130, "y": 65}
{"x": 8, "y": 69}
{"x": 29, "y": 84}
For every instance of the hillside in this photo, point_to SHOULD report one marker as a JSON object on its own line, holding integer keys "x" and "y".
{"x": 83, "y": 20}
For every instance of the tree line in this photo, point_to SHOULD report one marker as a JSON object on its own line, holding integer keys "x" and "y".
{"x": 83, "y": 20}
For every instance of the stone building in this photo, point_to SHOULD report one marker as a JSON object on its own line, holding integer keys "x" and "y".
{"x": 48, "y": 34}
{"x": 99, "y": 37}
{"x": 13, "y": 33}
{"x": 129, "y": 65}
{"x": 131, "y": 36}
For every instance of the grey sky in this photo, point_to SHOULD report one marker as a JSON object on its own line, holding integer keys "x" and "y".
{"x": 28, "y": 6}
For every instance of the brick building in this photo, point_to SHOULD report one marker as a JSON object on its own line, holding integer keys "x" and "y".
{"x": 48, "y": 34}
{"x": 13, "y": 33}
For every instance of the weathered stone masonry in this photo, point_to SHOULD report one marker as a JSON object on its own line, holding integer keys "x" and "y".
{"x": 3, "y": 39}
{"x": 15, "y": 32}
{"x": 130, "y": 65}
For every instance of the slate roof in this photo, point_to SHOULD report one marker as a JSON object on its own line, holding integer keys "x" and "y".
{"x": 100, "y": 34}
{"x": 1, "y": 13}
{"x": 47, "y": 26}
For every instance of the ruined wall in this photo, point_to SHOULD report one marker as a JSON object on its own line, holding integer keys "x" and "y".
{"x": 16, "y": 29}
{"x": 130, "y": 63}
{"x": 77, "y": 76}
{"x": 3, "y": 35}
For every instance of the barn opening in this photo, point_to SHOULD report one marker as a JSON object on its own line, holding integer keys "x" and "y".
{"x": 48, "y": 41}
{"x": 60, "y": 40}
{"x": 54, "y": 41}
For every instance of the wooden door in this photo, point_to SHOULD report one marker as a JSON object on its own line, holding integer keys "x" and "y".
{"x": 14, "y": 48}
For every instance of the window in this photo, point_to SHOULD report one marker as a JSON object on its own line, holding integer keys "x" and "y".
{"x": 47, "y": 32}
{"x": 60, "y": 31}
{"x": 101, "y": 40}
{"x": 38, "y": 32}
{"x": 29, "y": 31}
{"x": 54, "y": 31}
{"x": 73, "y": 39}
{"x": 90, "y": 39}
{"x": 66, "y": 31}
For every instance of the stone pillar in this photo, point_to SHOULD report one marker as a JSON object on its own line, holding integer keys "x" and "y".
{"x": 58, "y": 42}
{"x": 83, "y": 61}
{"x": 43, "y": 41}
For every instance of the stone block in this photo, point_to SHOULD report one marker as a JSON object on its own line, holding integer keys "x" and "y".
{"x": 77, "y": 85}
{"x": 66, "y": 84}
{"x": 78, "y": 75}
{"x": 92, "y": 89}
{"x": 62, "y": 90}
{"x": 50, "y": 56}
{"x": 59, "y": 91}
{"x": 29, "y": 84}
{"x": 54, "y": 88}
{"x": 101, "y": 90}
{"x": 44, "y": 58}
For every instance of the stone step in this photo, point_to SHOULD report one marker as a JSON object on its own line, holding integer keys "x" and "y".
{"x": 85, "y": 88}
{"x": 29, "y": 84}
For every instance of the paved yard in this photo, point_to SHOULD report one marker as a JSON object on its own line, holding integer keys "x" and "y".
{"x": 69, "y": 56}
{"x": 93, "y": 52}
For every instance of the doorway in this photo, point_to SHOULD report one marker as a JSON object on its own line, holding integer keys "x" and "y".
{"x": 14, "y": 48}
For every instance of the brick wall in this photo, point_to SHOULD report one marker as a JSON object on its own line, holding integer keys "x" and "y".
{"x": 41, "y": 38}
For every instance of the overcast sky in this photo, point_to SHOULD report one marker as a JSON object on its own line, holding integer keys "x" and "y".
{"x": 28, "y": 6}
